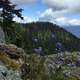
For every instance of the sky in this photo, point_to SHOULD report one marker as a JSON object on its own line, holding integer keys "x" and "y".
{"x": 61, "y": 12}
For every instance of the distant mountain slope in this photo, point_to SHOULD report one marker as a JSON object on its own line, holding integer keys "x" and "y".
{"x": 74, "y": 30}
{"x": 47, "y": 35}
{"x": 44, "y": 30}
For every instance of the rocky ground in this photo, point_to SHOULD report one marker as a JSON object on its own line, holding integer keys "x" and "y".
{"x": 61, "y": 66}
{"x": 16, "y": 65}
{"x": 67, "y": 64}
{"x": 10, "y": 62}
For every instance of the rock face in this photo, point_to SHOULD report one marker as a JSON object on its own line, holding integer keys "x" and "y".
{"x": 2, "y": 36}
{"x": 6, "y": 74}
{"x": 11, "y": 59}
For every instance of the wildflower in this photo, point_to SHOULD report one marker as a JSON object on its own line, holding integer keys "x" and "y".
{"x": 60, "y": 62}
{"x": 35, "y": 40}
{"x": 53, "y": 36}
{"x": 67, "y": 74}
{"x": 72, "y": 65}
{"x": 58, "y": 46}
{"x": 38, "y": 50}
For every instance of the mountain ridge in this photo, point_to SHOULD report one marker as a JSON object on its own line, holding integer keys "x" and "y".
{"x": 43, "y": 31}
{"x": 75, "y": 30}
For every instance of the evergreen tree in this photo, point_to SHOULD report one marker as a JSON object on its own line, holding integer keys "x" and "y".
{"x": 8, "y": 12}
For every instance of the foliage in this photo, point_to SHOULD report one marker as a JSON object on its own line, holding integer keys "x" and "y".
{"x": 52, "y": 67}
{"x": 48, "y": 35}
{"x": 35, "y": 68}
{"x": 8, "y": 12}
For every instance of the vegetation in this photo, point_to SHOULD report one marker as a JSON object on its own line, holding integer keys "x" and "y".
{"x": 51, "y": 68}
{"x": 8, "y": 12}
{"x": 45, "y": 35}
{"x": 45, "y": 45}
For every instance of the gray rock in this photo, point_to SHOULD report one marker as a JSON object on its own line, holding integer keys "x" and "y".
{"x": 6, "y": 74}
{"x": 2, "y": 36}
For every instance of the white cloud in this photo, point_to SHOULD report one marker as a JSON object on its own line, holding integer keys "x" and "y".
{"x": 26, "y": 20}
{"x": 50, "y": 12}
{"x": 74, "y": 22}
{"x": 47, "y": 15}
{"x": 62, "y": 21}
{"x": 68, "y": 5}
{"x": 67, "y": 21}
{"x": 57, "y": 17}
{"x": 55, "y": 13}
{"x": 51, "y": 16}
{"x": 47, "y": 12}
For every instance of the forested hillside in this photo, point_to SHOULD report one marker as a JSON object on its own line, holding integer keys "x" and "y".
{"x": 44, "y": 35}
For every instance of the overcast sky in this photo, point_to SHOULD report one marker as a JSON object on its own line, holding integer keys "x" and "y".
{"x": 62, "y": 12}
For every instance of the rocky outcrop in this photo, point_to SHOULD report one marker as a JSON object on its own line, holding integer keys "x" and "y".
{"x": 9, "y": 74}
{"x": 11, "y": 59}
{"x": 11, "y": 51}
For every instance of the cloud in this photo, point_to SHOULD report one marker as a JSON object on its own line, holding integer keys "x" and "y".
{"x": 68, "y": 5}
{"x": 57, "y": 9}
{"x": 74, "y": 22}
{"x": 47, "y": 15}
{"x": 62, "y": 21}
{"x": 53, "y": 14}
{"x": 26, "y": 20}
{"x": 23, "y": 2}
{"x": 50, "y": 16}
{"x": 57, "y": 17}
{"x": 67, "y": 21}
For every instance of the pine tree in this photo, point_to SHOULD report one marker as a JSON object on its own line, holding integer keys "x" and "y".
{"x": 8, "y": 12}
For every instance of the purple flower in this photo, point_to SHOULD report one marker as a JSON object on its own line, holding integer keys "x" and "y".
{"x": 67, "y": 74}
{"x": 35, "y": 40}
{"x": 53, "y": 36}
{"x": 58, "y": 46}
{"x": 38, "y": 50}
{"x": 60, "y": 62}
{"x": 72, "y": 65}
